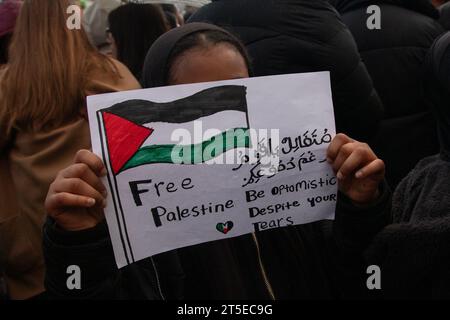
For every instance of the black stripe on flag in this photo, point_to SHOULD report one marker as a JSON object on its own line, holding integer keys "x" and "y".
{"x": 201, "y": 104}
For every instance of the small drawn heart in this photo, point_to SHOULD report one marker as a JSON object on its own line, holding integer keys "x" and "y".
{"x": 225, "y": 227}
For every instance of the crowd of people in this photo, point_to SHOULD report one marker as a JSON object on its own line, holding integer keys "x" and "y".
{"x": 391, "y": 96}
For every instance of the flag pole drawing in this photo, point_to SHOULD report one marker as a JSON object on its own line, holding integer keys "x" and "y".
{"x": 137, "y": 133}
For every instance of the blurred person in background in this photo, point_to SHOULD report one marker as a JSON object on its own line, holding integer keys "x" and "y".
{"x": 394, "y": 57}
{"x": 9, "y": 10}
{"x": 133, "y": 28}
{"x": 43, "y": 123}
{"x": 188, "y": 12}
{"x": 95, "y": 22}
{"x": 173, "y": 15}
{"x": 414, "y": 252}
{"x": 171, "y": 20}
{"x": 303, "y": 36}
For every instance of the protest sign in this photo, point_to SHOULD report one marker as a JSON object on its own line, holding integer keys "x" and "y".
{"x": 202, "y": 162}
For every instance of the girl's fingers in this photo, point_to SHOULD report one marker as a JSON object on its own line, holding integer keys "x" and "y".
{"x": 335, "y": 145}
{"x": 352, "y": 163}
{"x": 376, "y": 168}
{"x": 79, "y": 187}
{"x": 85, "y": 173}
{"x": 92, "y": 161}
{"x": 64, "y": 199}
{"x": 344, "y": 152}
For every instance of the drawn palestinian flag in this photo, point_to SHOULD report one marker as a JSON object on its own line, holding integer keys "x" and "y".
{"x": 139, "y": 132}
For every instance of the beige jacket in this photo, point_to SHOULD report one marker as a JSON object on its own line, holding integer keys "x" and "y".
{"x": 27, "y": 167}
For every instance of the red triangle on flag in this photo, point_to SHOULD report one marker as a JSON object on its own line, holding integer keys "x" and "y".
{"x": 124, "y": 138}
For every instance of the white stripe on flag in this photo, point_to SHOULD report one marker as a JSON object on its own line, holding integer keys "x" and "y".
{"x": 220, "y": 121}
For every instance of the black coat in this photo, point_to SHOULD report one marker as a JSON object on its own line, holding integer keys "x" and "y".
{"x": 414, "y": 252}
{"x": 303, "y": 36}
{"x": 394, "y": 56}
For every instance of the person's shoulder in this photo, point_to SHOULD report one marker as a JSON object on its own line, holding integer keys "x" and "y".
{"x": 126, "y": 77}
{"x": 431, "y": 163}
{"x": 432, "y": 168}
{"x": 121, "y": 68}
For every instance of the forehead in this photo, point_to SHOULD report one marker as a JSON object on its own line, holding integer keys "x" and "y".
{"x": 214, "y": 63}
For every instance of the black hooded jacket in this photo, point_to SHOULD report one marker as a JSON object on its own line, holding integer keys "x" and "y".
{"x": 394, "y": 56}
{"x": 303, "y": 36}
{"x": 414, "y": 253}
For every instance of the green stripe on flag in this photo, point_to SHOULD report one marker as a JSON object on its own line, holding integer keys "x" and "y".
{"x": 191, "y": 154}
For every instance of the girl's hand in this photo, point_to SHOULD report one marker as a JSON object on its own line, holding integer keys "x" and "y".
{"x": 358, "y": 169}
{"x": 76, "y": 198}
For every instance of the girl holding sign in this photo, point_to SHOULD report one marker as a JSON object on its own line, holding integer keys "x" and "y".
{"x": 318, "y": 260}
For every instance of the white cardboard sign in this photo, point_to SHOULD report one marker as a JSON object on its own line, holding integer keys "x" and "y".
{"x": 189, "y": 164}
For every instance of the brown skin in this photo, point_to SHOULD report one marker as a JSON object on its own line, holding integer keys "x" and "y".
{"x": 358, "y": 169}
{"x": 220, "y": 62}
{"x": 77, "y": 197}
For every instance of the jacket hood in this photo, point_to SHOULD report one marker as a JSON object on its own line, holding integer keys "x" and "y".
{"x": 422, "y": 6}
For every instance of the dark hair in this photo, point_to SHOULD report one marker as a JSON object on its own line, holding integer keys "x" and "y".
{"x": 134, "y": 28}
{"x": 188, "y": 12}
{"x": 187, "y": 15}
{"x": 169, "y": 8}
{"x": 171, "y": 19}
{"x": 4, "y": 45}
{"x": 205, "y": 39}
